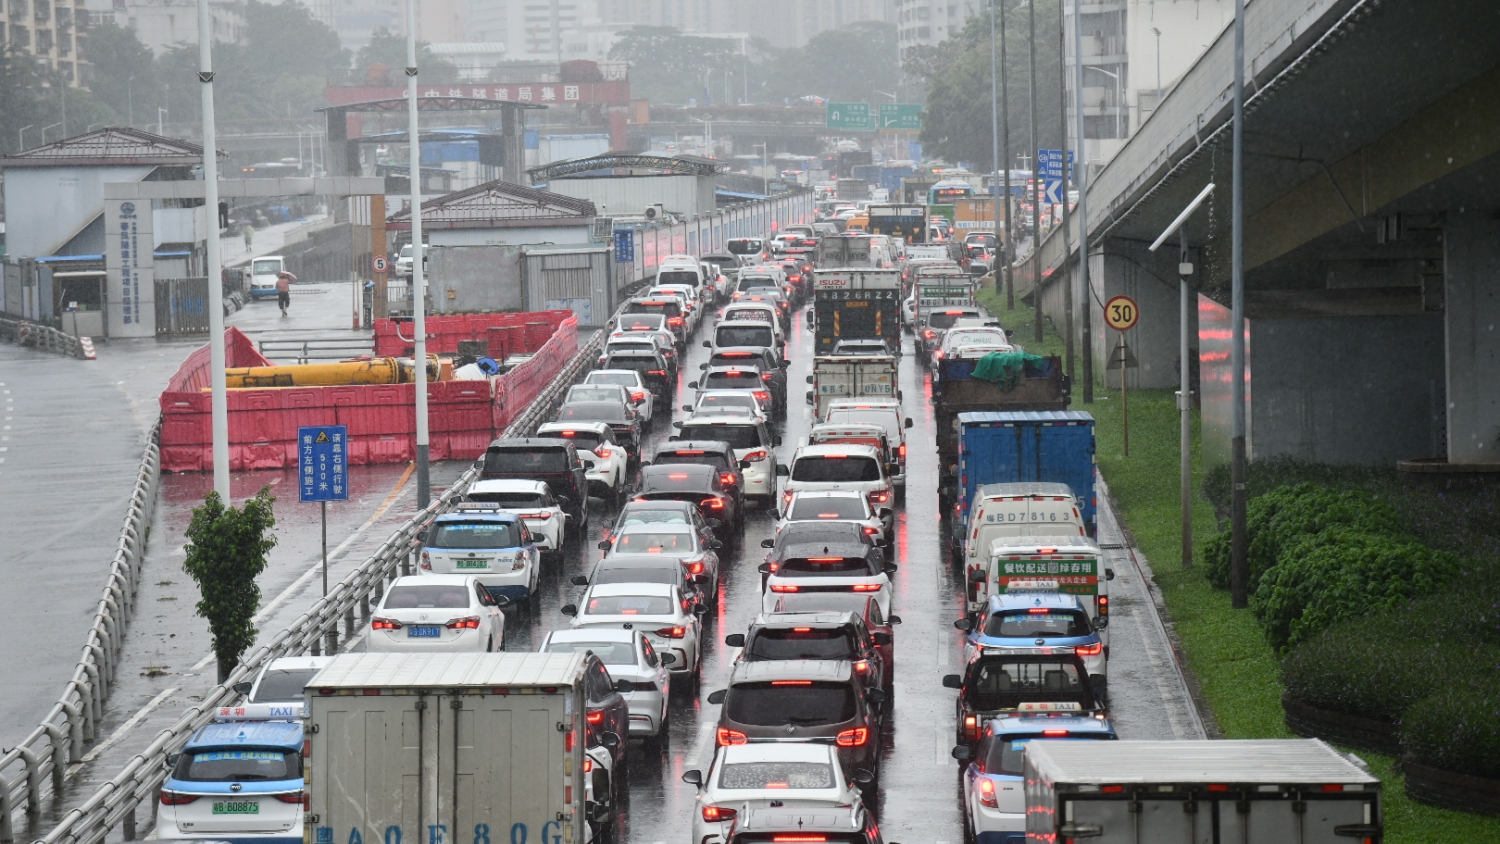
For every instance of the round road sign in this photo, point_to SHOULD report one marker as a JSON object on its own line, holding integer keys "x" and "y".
{"x": 381, "y": 263}
{"x": 1121, "y": 313}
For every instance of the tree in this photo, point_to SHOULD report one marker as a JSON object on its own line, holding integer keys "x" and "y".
{"x": 226, "y": 552}
{"x": 26, "y": 99}
{"x": 389, "y": 49}
{"x": 124, "y": 73}
{"x": 848, "y": 64}
{"x": 670, "y": 67}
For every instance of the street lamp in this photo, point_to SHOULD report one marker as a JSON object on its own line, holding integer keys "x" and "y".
{"x": 708, "y": 133}
{"x": 44, "y": 131}
{"x": 218, "y": 389}
{"x": 1158, "y": 67}
{"x": 1116, "y": 77}
{"x": 418, "y": 295}
{"x": 21, "y": 137}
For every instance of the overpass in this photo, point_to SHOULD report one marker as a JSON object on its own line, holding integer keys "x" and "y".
{"x": 1372, "y": 244}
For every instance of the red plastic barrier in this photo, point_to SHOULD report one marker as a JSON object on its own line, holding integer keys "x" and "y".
{"x": 463, "y": 416}
{"x": 446, "y": 330}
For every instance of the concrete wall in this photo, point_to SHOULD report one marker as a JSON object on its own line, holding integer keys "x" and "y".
{"x": 46, "y": 206}
{"x": 1152, "y": 281}
{"x": 518, "y": 236}
{"x": 618, "y": 196}
{"x": 1471, "y": 261}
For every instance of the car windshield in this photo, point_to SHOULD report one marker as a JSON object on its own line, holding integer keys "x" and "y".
{"x": 526, "y": 462}
{"x": 738, "y": 436}
{"x": 1031, "y": 624}
{"x": 282, "y": 684}
{"x": 448, "y": 596}
{"x": 941, "y": 320}
{"x": 273, "y": 267}
{"x": 779, "y": 703}
{"x": 841, "y": 507}
{"x": 508, "y": 499}
{"x": 692, "y": 457}
{"x": 629, "y": 605}
{"x": 473, "y": 535}
{"x": 652, "y": 542}
{"x": 1000, "y": 683}
{"x": 814, "y": 468}
{"x": 778, "y": 775}
{"x": 829, "y": 566}
{"x": 749, "y": 334}
{"x": 640, "y": 322}
{"x": 667, "y": 574}
{"x": 1007, "y": 754}
{"x": 594, "y": 411}
{"x": 238, "y": 766}
{"x": 623, "y": 379}
{"x": 687, "y": 277}
{"x": 775, "y": 643}
{"x": 609, "y": 653}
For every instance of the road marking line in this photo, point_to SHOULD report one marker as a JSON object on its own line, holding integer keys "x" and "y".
{"x": 119, "y": 732}
{"x": 705, "y": 733}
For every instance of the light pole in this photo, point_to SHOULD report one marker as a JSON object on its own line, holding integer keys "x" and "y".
{"x": 708, "y": 133}
{"x": 995, "y": 148}
{"x": 1239, "y": 571}
{"x": 1157, "y": 32}
{"x": 765, "y": 184}
{"x": 418, "y": 295}
{"x": 1083, "y": 212}
{"x": 218, "y": 394}
{"x": 1010, "y": 230}
{"x": 1070, "y": 300}
{"x": 1036, "y": 181}
{"x": 130, "y": 101}
{"x": 1115, "y": 76}
{"x": 21, "y": 137}
{"x": 44, "y": 131}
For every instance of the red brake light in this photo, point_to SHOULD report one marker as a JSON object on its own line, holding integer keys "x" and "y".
{"x": 1054, "y": 733}
{"x": 172, "y": 798}
{"x": 862, "y": 666}
{"x": 596, "y": 717}
{"x": 756, "y": 456}
{"x": 714, "y": 503}
{"x": 726, "y": 479}
{"x": 672, "y": 632}
{"x": 735, "y": 354}
{"x": 901, "y": 451}
{"x": 289, "y": 797}
{"x": 467, "y": 623}
{"x": 588, "y": 765}
{"x": 791, "y": 682}
{"x": 971, "y": 727}
{"x": 825, "y": 559}
{"x": 678, "y": 477}
{"x": 810, "y": 839}
{"x": 674, "y": 320}
{"x": 637, "y": 396}
{"x": 784, "y": 587}
{"x": 727, "y": 737}
{"x": 765, "y": 376}
{"x": 987, "y": 794}
{"x": 1038, "y": 611}
{"x": 714, "y": 814}
{"x": 656, "y": 372}
{"x": 853, "y": 738}
{"x": 569, "y": 433}
{"x": 695, "y": 568}
{"x": 385, "y": 624}
{"x": 689, "y": 451}
{"x": 1090, "y": 650}
{"x": 762, "y": 396}
{"x": 869, "y": 531}
{"x": 866, "y": 587}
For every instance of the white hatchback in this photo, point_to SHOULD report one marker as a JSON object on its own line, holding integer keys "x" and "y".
{"x": 436, "y": 613}
{"x": 766, "y": 774}
{"x": 533, "y": 502}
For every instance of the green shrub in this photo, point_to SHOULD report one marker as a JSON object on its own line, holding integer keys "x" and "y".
{"x": 1374, "y": 667}
{"x": 1457, "y": 728}
{"x": 1343, "y": 573}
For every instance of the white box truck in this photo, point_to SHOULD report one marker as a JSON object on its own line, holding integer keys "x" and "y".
{"x": 447, "y": 749}
{"x": 851, "y": 377}
{"x": 1299, "y": 791}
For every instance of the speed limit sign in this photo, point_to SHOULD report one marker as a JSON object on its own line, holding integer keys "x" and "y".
{"x": 381, "y": 263}
{"x": 1121, "y": 313}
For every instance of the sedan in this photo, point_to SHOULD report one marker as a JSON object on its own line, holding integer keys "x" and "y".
{"x": 436, "y": 613}
{"x": 832, "y": 506}
{"x": 762, "y": 775}
{"x": 640, "y": 394}
{"x": 700, "y": 485}
{"x": 670, "y": 619}
{"x": 679, "y": 542}
{"x": 629, "y": 656}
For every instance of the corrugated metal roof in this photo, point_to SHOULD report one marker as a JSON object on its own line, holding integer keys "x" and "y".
{"x": 498, "y": 201}
{"x": 448, "y": 670}
{"x": 1028, "y": 416}
{"x": 1269, "y": 761}
{"x": 110, "y": 146}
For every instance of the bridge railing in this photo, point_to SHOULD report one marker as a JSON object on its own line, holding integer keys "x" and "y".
{"x": 24, "y": 332}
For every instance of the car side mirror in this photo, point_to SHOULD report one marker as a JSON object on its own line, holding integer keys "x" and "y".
{"x": 693, "y": 778}
{"x": 776, "y": 441}
{"x": 667, "y": 659}
{"x": 718, "y": 696}
{"x": 171, "y": 760}
{"x": 952, "y": 681}
{"x": 809, "y": 396}
{"x": 764, "y": 568}
{"x": 708, "y": 344}
{"x": 677, "y": 425}
{"x": 422, "y": 535}
{"x": 715, "y": 544}
{"x": 784, "y": 364}
{"x": 744, "y": 464}
{"x": 693, "y": 385}
{"x": 568, "y": 609}
{"x": 962, "y": 753}
{"x": 1101, "y": 622}
{"x": 702, "y": 366}
{"x": 809, "y": 379}
{"x": 1109, "y": 574}
{"x": 610, "y": 740}
{"x": 863, "y": 777}
{"x": 243, "y": 687}
{"x": 965, "y": 624}
{"x": 578, "y": 580}
{"x": 783, "y": 471}
{"x": 768, "y": 543}
{"x": 775, "y": 514}
{"x": 881, "y": 638}
{"x": 603, "y": 545}
{"x": 645, "y": 463}
{"x": 890, "y": 568}
{"x": 735, "y": 640}
{"x": 687, "y": 408}
{"x": 502, "y": 601}
{"x": 624, "y": 687}
{"x": 895, "y": 619}
{"x": 875, "y": 695}
{"x": 977, "y": 576}
{"x": 909, "y": 422}
{"x": 699, "y": 609}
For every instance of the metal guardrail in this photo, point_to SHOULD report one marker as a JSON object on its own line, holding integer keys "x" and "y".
{"x": 27, "y": 333}
{"x": 115, "y": 802}
{"x": 317, "y": 348}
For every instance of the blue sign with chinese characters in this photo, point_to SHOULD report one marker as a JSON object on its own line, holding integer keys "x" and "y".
{"x": 1050, "y": 166}
{"x": 624, "y": 246}
{"x": 323, "y": 463}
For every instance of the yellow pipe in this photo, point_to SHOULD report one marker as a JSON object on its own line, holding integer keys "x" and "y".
{"x": 344, "y": 373}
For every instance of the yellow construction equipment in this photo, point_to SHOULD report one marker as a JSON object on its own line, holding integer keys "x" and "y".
{"x": 341, "y": 374}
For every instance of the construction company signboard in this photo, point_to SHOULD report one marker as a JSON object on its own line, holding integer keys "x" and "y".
{"x": 535, "y": 93}
{"x": 129, "y": 270}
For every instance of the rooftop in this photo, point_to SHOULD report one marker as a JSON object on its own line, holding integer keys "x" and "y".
{"x": 111, "y": 145}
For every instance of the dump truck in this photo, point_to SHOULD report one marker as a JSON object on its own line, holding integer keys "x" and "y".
{"x": 1038, "y": 385}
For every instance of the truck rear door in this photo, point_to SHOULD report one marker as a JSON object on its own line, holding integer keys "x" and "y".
{"x": 500, "y": 764}
{"x": 375, "y": 744}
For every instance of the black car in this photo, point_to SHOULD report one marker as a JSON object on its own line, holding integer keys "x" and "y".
{"x": 1002, "y": 681}
{"x": 715, "y": 453}
{"x": 608, "y": 711}
{"x": 621, "y": 419}
{"x": 554, "y": 461}
{"x": 651, "y": 365}
{"x": 772, "y": 367}
{"x": 700, "y": 485}
{"x": 745, "y": 377}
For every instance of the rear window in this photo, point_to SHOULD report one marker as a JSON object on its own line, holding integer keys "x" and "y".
{"x": 637, "y": 574}
{"x": 738, "y": 436}
{"x": 940, "y": 320}
{"x": 734, "y": 379}
{"x": 1007, "y": 755}
{"x": 640, "y": 322}
{"x": 692, "y": 457}
{"x": 802, "y": 643}
{"x": 825, "y": 567}
{"x": 653, "y": 517}
{"x": 609, "y": 653}
{"x": 755, "y": 283}
{"x": 803, "y": 703}
{"x": 629, "y": 605}
{"x": 743, "y": 247}
{"x": 644, "y": 542}
{"x": 267, "y": 267}
{"x": 592, "y": 412}
{"x": 543, "y": 460}
{"x": 473, "y": 535}
{"x": 238, "y": 766}
{"x": 507, "y": 499}
{"x": 581, "y": 439}
{"x": 977, "y": 338}
{"x": 820, "y": 469}
{"x": 640, "y": 363}
{"x": 586, "y": 392}
{"x": 760, "y": 775}
{"x": 749, "y": 334}
{"x": 742, "y": 399}
{"x": 884, "y": 418}
{"x": 623, "y": 379}
{"x": 667, "y": 308}
{"x": 687, "y": 277}
{"x": 1031, "y": 625}
{"x": 450, "y": 596}
{"x": 812, "y": 509}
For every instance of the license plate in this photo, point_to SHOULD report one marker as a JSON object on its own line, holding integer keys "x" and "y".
{"x": 424, "y": 631}
{"x": 236, "y": 807}
{"x": 471, "y": 564}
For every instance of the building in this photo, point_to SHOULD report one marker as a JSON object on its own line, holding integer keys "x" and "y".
{"x": 529, "y": 29}
{"x": 54, "y": 31}
{"x": 629, "y": 185}
{"x": 164, "y": 24}
{"x": 927, "y": 23}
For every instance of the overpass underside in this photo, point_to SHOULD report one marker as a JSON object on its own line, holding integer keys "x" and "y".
{"x": 1372, "y": 239}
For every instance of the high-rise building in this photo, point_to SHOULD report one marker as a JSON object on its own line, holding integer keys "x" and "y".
{"x": 931, "y": 22}
{"x": 784, "y": 23}
{"x": 54, "y": 31}
{"x": 163, "y": 24}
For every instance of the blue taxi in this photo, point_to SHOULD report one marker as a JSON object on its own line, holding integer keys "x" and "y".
{"x": 239, "y": 782}
{"x": 1040, "y": 618}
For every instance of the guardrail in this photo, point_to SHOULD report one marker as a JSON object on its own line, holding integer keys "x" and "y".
{"x": 115, "y": 802}
{"x": 27, "y": 333}
{"x": 317, "y": 348}
{"x": 59, "y": 740}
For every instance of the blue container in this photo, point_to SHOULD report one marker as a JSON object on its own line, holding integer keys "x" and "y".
{"x": 1054, "y": 446}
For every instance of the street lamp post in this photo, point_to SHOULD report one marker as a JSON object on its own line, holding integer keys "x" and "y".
{"x": 1010, "y": 229}
{"x": 218, "y": 392}
{"x": 995, "y": 147}
{"x": 21, "y": 137}
{"x": 1036, "y": 181}
{"x": 1157, "y": 32}
{"x": 44, "y": 131}
{"x": 418, "y": 295}
{"x": 1239, "y": 571}
{"x": 1116, "y": 77}
{"x": 1083, "y": 212}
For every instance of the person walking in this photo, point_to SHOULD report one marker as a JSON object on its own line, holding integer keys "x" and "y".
{"x": 249, "y": 233}
{"x": 284, "y": 290}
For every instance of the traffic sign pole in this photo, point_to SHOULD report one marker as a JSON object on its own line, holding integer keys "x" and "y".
{"x": 323, "y": 472}
{"x": 1121, "y": 314}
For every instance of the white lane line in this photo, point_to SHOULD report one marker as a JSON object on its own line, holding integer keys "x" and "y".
{"x": 119, "y": 733}
{"x": 700, "y": 745}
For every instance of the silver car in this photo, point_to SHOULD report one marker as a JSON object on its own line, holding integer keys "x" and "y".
{"x": 627, "y": 655}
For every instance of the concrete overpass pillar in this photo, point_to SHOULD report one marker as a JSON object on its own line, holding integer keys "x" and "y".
{"x": 1471, "y": 267}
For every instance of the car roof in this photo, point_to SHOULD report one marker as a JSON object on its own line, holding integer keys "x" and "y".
{"x": 606, "y": 590}
{"x": 833, "y": 670}
{"x": 528, "y": 442}
{"x": 581, "y": 425}
{"x": 431, "y": 580}
{"x": 777, "y": 751}
{"x": 298, "y": 663}
{"x": 827, "y": 493}
{"x": 589, "y": 404}
{"x": 1063, "y": 544}
{"x": 641, "y": 561}
{"x": 806, "y": 618}
{"x": 282, "y": 735}
{"x": 790, "y": 534}
{"x": 508, "y": 485}
{"x": 690, "y": 469}
{"x": 1022, "y": 488}
{"x": 658, "y": 504}
{"x": 593, "y": 634}
{"x": 1036, "y": 723}
{"x": 710, "y": 419}
{"x": 670, "y": 527}
{"x": 1030, "y": 600}
{"x": 837, "y": 450}
{"x": 633, "y": 372}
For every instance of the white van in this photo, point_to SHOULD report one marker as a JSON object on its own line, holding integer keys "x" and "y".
{"x": 263, "y": 272}
{"x": 1017, "y": 509}
{"x": 684, "y": 270}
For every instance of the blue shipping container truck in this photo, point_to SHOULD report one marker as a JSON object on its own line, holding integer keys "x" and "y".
{"x": 1055, "y": 446}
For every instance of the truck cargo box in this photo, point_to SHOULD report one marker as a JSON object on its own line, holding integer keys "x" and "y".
{"x": 1045, "y": 446}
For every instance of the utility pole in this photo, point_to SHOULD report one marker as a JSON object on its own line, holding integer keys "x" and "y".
{"x": 1036, "y": 182}
{"x": 1010, "y": 230}
{"x": 1083, "y": 212}
{"x": 995, "y": 154}
{"x": 218, "y": 392}
{"x": 1239, "y": 571}
{"x": 418, "y": 294}
{"x": 1069, "y": 300}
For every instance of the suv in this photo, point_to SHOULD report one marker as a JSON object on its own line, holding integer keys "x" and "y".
{"x": 533, "y": 502}
{"x": 652, "y": 366}
{"x": 606, "y": 463}
{"x": 804, "y": 700}
{"x": 1005, "y": 681}
{"x": 883, "y": 412}
{"x": 1025, "y": 619}
{"x": 936, "y": 322}
{"x": 829, "y": 567}
{"x": 746, "y": 377}
{"x": 772, "y": 367}
{"x": 670, "y": 308}
{"x": 554, "y": 461}
{"x": 753, "y": 444}
{"x": 816, "y": 635}
{"x": 619, "y": 415}
{"x": 699, "y": 485}
{"x": 640, "y": 395}
{"x": 715, "y": 453}
{"x": 735, "y": 333}
{"x": 844, "y": 466}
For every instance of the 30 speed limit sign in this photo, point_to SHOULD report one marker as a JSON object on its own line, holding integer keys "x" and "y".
{"x": 1121, "y": 313}
{"x": 381, "y": 263}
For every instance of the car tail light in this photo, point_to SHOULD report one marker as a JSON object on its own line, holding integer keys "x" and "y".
{"x": 714, "y": 503}
{"x": 697, "y": 568}
{"x": 726, "y": 737}
{"x": 637, "y": 396}
{"x": 1090, "y": 650}
{"x": 672, "y": 632}
{"x": 568, "y": 742}
{"x": 466, "y": 623}
{"x": 799, "y": 839}
{"x": 765, "y": 376}
{"x": 761, "y": 395}
{"x": 289, "y": 797}
{"x": 674, "y": 320}
{"x": 853, "y": 738}
{"x": 880, "y": 496}
{"x": 1103, "y": 605}
{"x": 661, "y": 372}
{"x": 726, "y": 479}
{"x": 862, "y": 666}
{"x": 987, "y": 794}
{"x": 174, "y": 798}
{"x": 385, "y": 624}
{"x": 901, "y": 451}
{"x": 596, "y": 717}
{"x": 588, "y": 765}
{"x": 756, "y": 456}
{"x": 603, "y": 451}
{"x": 784, "y": 587}
{"x": 866, "y": 587}
{"x": 971, "y": 727}
{"x": 929, "y": 334}
{"x": 425, "y": 563}
{"x": 715, "y": 814}
{"x": 1054, "y": 733}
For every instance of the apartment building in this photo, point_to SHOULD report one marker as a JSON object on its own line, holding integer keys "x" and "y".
{"x": 54, "y": 31}
{"x": 931, "y": 22}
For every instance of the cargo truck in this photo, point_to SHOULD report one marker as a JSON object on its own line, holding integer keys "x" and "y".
{"x": 1040, "y": 386}
{"x": 1020, "y": 447}
{"x": 1294, "y": 791}
{"x": 906, "y": 221}
{"x": 851, "y": 377}
{"x": 458, "y": 748}
{"x": 853, "y": 189}
{"x": 854, "y": 304}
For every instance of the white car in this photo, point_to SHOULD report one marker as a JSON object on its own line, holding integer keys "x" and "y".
{"x": 533, "y": 502}
{"x": 493, "y": 546}
{"x": 661, "y": 341}
{"x": 769, "y": 774}
{"x": 841, "y": 466}
{"x": 605, "y": 462}
{"x": 281, "y": 682}
{"x": 909, "y": 312}
{"x": 436, "y": 613}
{"x": 734, "y": 402}
{"x": 885, "y": 413}
{"x": 696, "y": 554}
{"x": 627, "y": 655}
{"x": 640, "y": 394}
{"x": 669, "y": 618}
{"x": 753, "y": 443}
{"x": 692, "y": 303}
{"x": 972, "y": 343}
{"x": 831, "y": 506}
{"x": 828, "y": 567}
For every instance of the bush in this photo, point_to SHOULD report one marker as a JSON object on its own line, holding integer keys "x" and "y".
{"x": 226, "y": 552}
{"x": 1457, "y": 728}
{"x": 1343, "y": 573}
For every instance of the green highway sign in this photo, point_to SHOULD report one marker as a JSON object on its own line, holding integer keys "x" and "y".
{"x": 900, "y": 117}
{"x": 854, "y": 117}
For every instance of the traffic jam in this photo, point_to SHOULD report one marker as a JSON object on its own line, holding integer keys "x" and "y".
{"x": 695, "y": 577}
